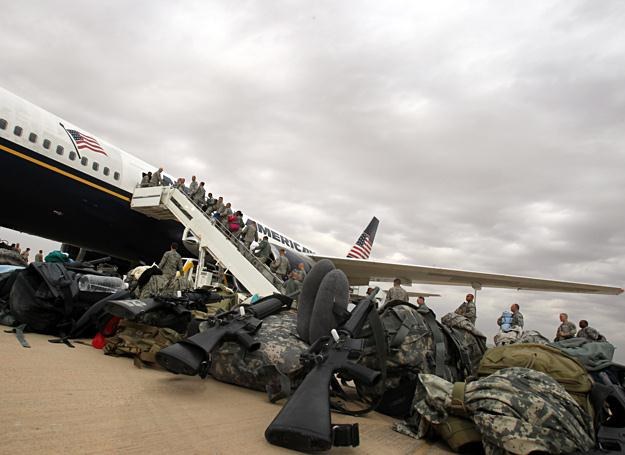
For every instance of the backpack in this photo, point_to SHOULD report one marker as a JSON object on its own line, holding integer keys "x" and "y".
{"x": 417, "y": 343}
{"x": 566, "y": 370}
{"x": 140, "y": 341}
{"x": 275, "y": 367}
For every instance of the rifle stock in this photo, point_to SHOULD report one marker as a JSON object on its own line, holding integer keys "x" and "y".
{"x": 304, "y": 422}
{"x": 192, "y": 356}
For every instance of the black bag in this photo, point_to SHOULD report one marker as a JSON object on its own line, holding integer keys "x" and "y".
{"x": 46, "y": 297}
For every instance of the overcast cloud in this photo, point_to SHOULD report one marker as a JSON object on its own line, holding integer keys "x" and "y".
{"x": 485, "y": 135}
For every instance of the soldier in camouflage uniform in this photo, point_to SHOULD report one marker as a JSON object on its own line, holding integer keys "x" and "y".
{"x": 467, "y": 309}
{"x": 566, "y": 330}
{"x": 585, "y": 331}
{"x": 396, "y": 292}
{"x": 193, "y": 186}
{"x": 516, "y": 410}
{"x": 249, "y": 234}
{"x": 198, "y": 195}
{"x": 171, "y": 262}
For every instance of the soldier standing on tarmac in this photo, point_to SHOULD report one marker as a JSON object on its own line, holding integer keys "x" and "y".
{"x": 396, "y": 292}
{"x": 171, "y": 262}
{"x": 467, "y": 309}
{"x": 566, "y": 329}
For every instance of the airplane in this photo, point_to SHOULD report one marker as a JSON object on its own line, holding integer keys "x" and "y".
{"x": 64, "y": 183}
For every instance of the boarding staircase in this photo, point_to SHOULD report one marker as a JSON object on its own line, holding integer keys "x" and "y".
{"x": 168, "y": 203}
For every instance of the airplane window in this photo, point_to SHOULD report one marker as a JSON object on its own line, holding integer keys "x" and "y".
{"x": 106, "y": 171}
{"x": 17, "y": 130}
{"x": 72, "y": 154}
{"x": 3, "y": 124}
{"x": 32, "y": 137}
{"x": 116, "y": 175}
{"x": 95, "y": 166}
{"x": 60, "y": 149}
{"x": 84, "y": 161}
{"x": 46, "y": 144}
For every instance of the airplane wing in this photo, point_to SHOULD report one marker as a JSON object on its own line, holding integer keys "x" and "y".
{"x": 361, "y": 272}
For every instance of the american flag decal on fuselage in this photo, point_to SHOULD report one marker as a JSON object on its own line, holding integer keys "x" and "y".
{"x": 84, "y": 141}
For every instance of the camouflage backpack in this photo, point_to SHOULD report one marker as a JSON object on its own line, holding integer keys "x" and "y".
{"x": 275, "y": 367}
{"x": 417, "y": 343}
{"x": 140, "y": 341}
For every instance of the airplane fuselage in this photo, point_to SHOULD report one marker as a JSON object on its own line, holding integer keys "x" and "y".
{"x": 55, "y": 187}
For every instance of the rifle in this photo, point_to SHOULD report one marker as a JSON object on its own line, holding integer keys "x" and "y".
{"x": 192, "y": 356}
{"x": 304, "y": 422}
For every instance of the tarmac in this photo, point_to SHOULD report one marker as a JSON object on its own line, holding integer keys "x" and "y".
{"x": 60, "y": 400}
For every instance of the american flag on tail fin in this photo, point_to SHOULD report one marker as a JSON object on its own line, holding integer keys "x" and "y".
{"x": 362, "y": 247}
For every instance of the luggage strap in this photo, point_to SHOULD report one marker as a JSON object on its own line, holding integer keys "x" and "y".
{"x": 19, "y": 334}
{"x": 458, "y": 407}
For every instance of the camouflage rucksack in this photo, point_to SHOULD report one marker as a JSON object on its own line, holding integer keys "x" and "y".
{"x": 275, "y": 367}
{"x": 140, "y": 341}
{"x": 417, "y": 343}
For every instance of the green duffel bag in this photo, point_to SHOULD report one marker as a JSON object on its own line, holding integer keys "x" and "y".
{"x": 569, "y": 372}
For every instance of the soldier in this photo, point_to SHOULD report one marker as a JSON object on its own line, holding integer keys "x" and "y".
{"x": 281, "y": 265}
{"x": 217, "y": 207}
{"x": 517, "y": 316}
{"x": 210, "y": 202}
{"x": 171, "y": 262}
{"x": 225, "y": 212}
{"x": 588, "y": 332}
{"x": 263, "y": 250}
{"x": 566, "y": 329}
{"x": 157, "y": 179}
{"x": 301, "y": 269}
{"x": 193, "y": 186}
{"x": 293, "y": 284}
{"x": 249, "y": 234}
{"x": 396, "y": 292}
{"x": 467, "y": 309}
{"x": 198, "y": 195}
{"x": 25, "y": 254}
{"x": 422, "y": 307}
{"x": 145, "y": 180}
{"x": 39, "y": 256}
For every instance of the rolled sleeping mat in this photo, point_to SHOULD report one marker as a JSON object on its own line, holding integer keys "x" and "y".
{"x": 306, "y": 299}
{"x": 330, "y": 307}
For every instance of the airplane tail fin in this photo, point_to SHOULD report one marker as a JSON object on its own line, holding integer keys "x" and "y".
{"x": 362, "y": 247}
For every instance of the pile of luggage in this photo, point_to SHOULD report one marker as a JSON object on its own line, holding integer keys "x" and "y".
{"x": 438, "y": 377}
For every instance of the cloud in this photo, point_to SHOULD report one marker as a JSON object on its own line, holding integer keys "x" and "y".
{"x": 488, "y": 137}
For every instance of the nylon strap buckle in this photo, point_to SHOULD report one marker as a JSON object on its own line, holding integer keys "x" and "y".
{"x": 345, "y": 435}
{"x": 457, "y": 400}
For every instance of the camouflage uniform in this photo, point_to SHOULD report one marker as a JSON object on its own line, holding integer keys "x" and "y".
{"x": 280, "y": 266}
{"x": 38, "y": 257}
{"x": 396, "y": 293}
{"x": 566, "y": 330}
{"x": 532, "y": 336}
{"x": 517, "y": 410}
{"x": 590, "y": 334}
{"x": 249, "y": 235}
{"x": 156, "y": 179}
{"x": 263, "y": 250}
{"x": 193, "y": 187}
{"x": 170, "y": 264}
{"x": 468, "y": 310}
{"x": 198, "y": 195}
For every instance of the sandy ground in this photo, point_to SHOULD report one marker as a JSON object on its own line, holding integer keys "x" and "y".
{"x": 55, "y": 399}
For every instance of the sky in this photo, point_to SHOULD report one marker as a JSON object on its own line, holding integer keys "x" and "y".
{"x": 485, "y": 135}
